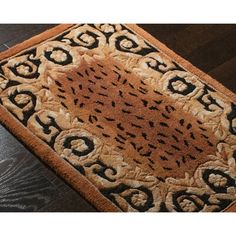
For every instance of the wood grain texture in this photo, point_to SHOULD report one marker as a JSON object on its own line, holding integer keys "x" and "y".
{"x": 68, "y": 202}
{"x": 26, "y": 184}
{"x": 11, "y": 34}
{"x": 3, "y": 48}
{"x": 23, "y": 187}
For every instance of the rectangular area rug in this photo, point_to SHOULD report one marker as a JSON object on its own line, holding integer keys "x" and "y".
{"x": 124, "y": 120}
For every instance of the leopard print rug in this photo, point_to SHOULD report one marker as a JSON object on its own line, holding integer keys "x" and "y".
{"x": 146, "y": 132}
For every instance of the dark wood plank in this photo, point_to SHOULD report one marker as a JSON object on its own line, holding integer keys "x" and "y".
{"x": 68, "y": 202}
{"x": 225, "y": 73}
{"x": 26, "y": 184}
{"x": 12, "y": 33}
{"x": 23, "y": 187}
{"x": 164, "y": 32}
{"x": 26, "y": 34}
{"x": 215, "y": 52}
{"x": 195, "y": 36}
{"x": 3, "y": 48}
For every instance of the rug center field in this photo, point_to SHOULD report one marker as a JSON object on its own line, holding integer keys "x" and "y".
{"x": 139, "y": 121}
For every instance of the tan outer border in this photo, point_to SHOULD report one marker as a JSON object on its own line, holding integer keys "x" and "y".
{"x": 47, "y": 155}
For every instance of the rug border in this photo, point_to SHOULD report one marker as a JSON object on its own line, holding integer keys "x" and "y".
{"x": 47, "y": 155}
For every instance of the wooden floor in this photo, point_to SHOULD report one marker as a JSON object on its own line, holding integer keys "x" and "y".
{"x": 26, "y": 184}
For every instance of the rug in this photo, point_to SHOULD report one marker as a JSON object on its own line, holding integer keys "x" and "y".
{"x": 124, "y": 120}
